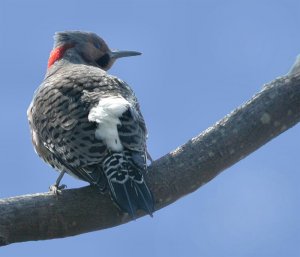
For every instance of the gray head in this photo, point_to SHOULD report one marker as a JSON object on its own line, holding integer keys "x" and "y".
{"x": 91, "y": 48}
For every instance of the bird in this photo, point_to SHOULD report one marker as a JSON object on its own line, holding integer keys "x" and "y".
{"x": 88, "y": 124}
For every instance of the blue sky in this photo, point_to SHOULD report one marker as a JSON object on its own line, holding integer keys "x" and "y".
{"x": 201, "y": 59}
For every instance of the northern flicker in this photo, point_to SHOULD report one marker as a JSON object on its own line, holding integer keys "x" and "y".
{"x": 88, "y": 124}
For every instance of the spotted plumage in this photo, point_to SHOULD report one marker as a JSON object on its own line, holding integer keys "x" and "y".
{"x": 88, "y": 124}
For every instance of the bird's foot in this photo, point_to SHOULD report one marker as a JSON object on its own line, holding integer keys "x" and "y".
{"x": 56, "y": 189}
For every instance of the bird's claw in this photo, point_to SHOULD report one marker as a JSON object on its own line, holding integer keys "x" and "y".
{"x": 56, "y": 189}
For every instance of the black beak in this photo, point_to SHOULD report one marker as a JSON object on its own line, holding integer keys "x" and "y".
{"x": 119, "y": 54}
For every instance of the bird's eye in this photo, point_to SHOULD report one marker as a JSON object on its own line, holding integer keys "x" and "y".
{"x": 97, "y": 45}
{"x": 103, "y": 61}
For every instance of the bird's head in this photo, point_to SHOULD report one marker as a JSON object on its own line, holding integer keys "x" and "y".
{"x": 85, "y": 47}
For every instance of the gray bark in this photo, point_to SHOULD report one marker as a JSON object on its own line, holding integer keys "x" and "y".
{"x": 269, "y": 113}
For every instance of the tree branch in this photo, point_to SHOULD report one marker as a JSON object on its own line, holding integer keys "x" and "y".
{"x": 44, "y": 216}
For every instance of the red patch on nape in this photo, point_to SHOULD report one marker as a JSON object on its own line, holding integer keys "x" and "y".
{"x": 57, "y": 53}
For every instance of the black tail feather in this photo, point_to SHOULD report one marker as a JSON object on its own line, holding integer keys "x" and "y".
{"x": 127, "y": 185}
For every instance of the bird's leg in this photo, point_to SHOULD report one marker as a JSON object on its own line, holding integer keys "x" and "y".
{"x": 56, "y": 188}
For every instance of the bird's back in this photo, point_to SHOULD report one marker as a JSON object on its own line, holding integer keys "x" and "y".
{"x": 89, "y": 124}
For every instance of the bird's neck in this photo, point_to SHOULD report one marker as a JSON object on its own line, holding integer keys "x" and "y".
{"x": 62, "y": 56}
{"x": 58, "y": 53}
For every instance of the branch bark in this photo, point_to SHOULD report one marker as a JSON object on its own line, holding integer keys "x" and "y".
{"x": 269, "y": 113}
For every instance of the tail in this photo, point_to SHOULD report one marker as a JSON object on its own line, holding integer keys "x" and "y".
{"x": 126, "y": 183}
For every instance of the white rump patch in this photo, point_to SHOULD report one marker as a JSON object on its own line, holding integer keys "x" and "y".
{"x": 107, "y": 114}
